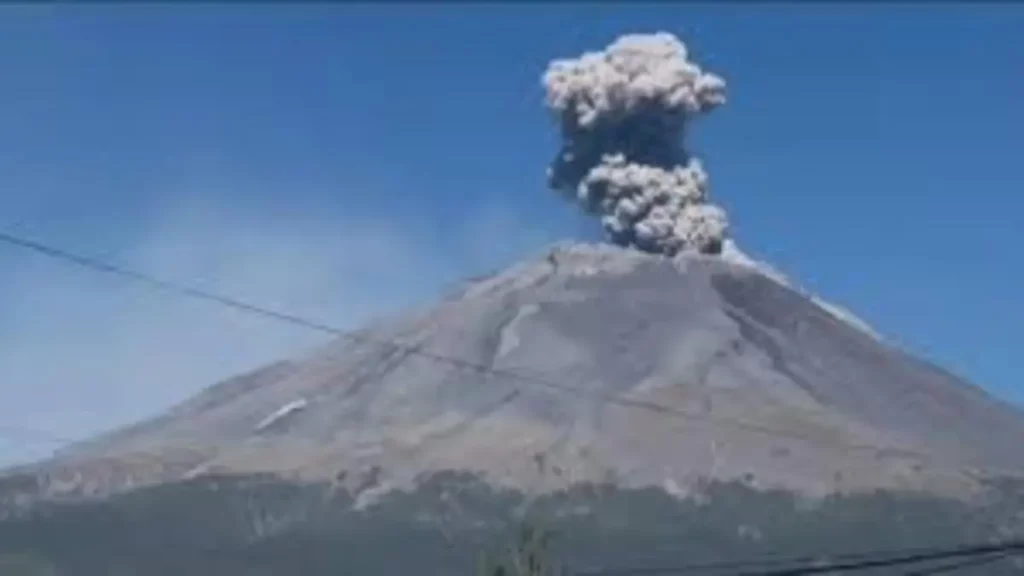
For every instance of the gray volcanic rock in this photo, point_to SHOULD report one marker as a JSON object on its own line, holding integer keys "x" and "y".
{"x": 634, "y": 369}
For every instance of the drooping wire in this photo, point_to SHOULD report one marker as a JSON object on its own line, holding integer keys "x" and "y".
{"x": 977, "y": 554}
{"x": 954, "y": 566}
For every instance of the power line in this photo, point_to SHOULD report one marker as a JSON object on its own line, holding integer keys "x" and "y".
{"x": 177, "y": 289}
{"x": 762, "y": 562}
{"x": 977, "y": 554}
{"x": 979, "y": 561}
{"x": 963, "y": 552}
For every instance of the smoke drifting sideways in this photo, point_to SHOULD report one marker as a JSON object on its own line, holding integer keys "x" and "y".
{"x": 623, "y": 114}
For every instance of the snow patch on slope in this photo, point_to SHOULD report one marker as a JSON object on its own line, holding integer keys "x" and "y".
{"x": 845, "y": 315}
{"x": 281, "y": 413}
{"x": 509, "y": 336}
{"x": 732, "y": 254}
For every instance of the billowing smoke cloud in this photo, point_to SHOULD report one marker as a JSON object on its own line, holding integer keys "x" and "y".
{"x": 623, "y": 114}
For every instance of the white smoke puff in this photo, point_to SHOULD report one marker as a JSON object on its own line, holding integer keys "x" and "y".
{"x": 623, "y": 113}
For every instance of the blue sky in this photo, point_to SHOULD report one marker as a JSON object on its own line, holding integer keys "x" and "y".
{"x": 346, "y": 162}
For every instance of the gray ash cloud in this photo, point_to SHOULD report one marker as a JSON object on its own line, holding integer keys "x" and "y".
{"x": 623, "y": 114}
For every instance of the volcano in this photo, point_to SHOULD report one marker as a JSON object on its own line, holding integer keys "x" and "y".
{"x": 589, "y": 363}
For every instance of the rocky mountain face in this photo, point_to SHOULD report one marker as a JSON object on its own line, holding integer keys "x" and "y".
{"x": 589, "y": 363}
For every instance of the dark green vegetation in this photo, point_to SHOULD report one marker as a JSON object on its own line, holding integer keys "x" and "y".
{"x": 261, "y": 526}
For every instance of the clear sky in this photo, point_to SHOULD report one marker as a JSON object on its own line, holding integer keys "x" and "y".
{"x": 346, "y": 162}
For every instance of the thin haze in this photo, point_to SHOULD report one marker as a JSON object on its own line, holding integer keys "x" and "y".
{"x": 344, "y": 162}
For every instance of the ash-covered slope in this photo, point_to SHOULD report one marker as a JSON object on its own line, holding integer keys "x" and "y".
{"x": 638, "y": 369}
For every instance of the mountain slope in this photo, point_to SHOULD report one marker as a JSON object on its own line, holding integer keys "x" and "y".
{"x": 636, "y": 369}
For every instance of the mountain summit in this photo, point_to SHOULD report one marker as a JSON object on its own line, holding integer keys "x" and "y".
{"x": 588, "y": 363}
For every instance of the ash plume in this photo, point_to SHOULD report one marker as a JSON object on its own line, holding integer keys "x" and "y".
{"x": 623, "y": 113}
